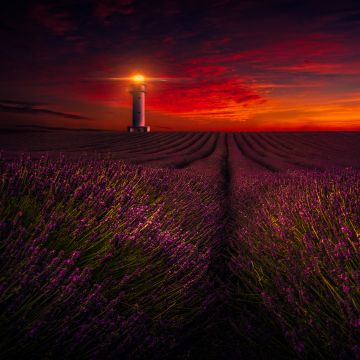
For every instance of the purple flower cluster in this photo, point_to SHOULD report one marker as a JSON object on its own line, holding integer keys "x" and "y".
{"x": 297, "y": 252}
{"x": 101, "y": 259}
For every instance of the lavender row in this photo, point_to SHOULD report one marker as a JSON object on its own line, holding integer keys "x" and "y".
{"x": 100, "y": 259}
{"x": 296, "y": 256}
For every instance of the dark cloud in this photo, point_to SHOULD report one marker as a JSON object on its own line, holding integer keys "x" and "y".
{"x": 29, "y": 108}
{"x": 52, "y": 18}
{"x": 103, "y": 9}
{"x": 6, "y": 28}
{"x": 21, "y": 103}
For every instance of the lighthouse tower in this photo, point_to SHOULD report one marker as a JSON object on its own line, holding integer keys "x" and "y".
{"x": 138, "y": 90}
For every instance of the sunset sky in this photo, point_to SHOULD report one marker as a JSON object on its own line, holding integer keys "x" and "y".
{"x": 228, "y": 65}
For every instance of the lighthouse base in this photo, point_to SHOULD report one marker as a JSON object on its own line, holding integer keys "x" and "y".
{"x": 138, "y": 129}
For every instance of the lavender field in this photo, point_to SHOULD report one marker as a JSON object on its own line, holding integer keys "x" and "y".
{"x": 179, "y": 245}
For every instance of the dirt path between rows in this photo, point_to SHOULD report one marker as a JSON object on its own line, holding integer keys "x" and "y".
{"x": 213, "y": 337}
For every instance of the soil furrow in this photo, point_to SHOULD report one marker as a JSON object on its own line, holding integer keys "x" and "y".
{"x": 215, "y": 338}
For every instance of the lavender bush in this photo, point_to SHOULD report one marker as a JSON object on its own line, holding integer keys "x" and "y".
{"x": 100, "y": 259}
{"x": 297, "y": 253}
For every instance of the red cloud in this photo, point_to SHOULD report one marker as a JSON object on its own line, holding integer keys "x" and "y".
{"x": 312, "y": 46}
{"x": 323, "y": 68}
{"x": 203, "y": 95}
{"x": 205, "y": 71}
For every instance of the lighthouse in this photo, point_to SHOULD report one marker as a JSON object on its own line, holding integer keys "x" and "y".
{"x": 138, "y": 91}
